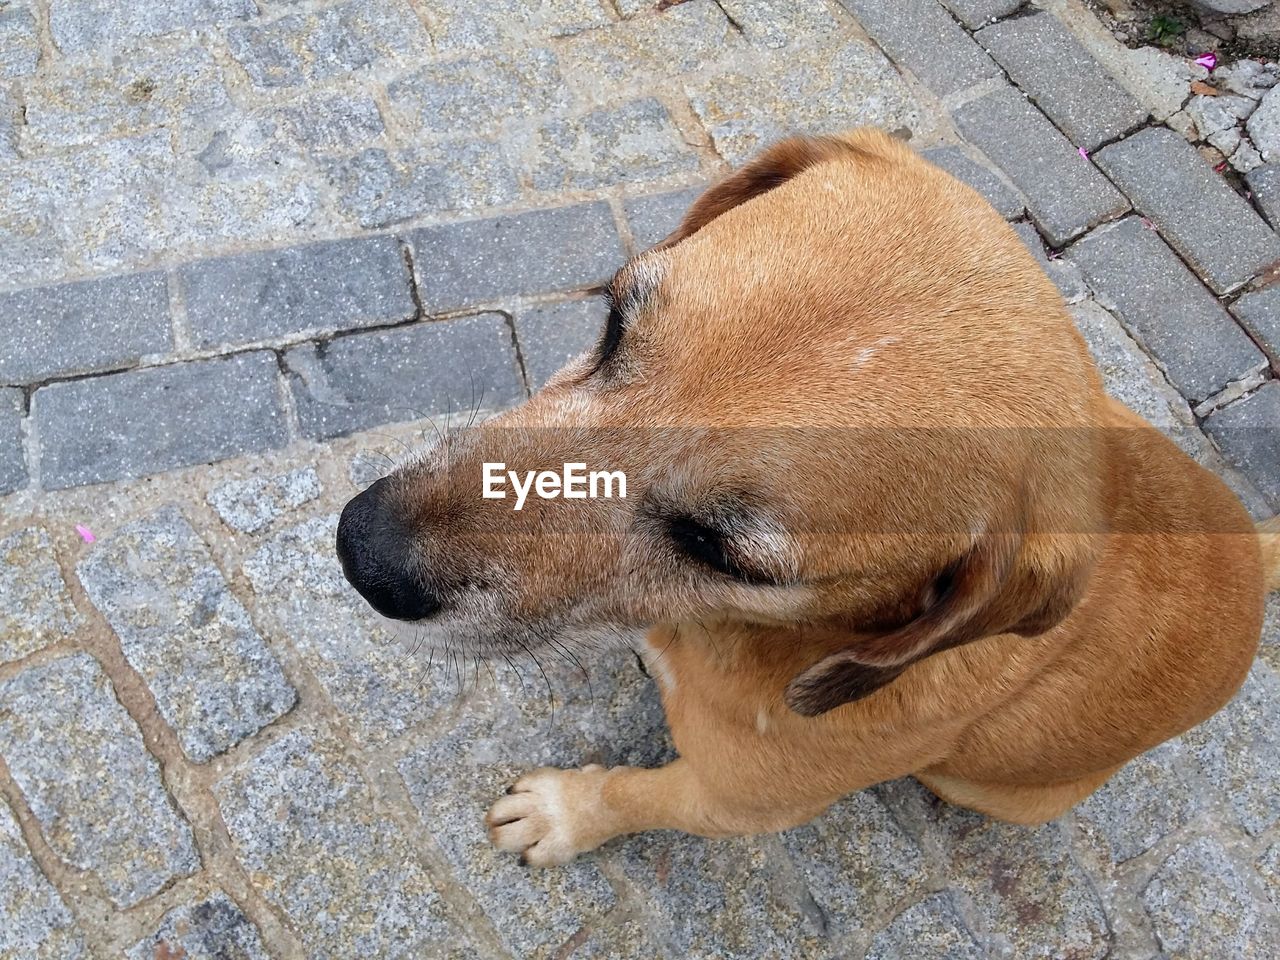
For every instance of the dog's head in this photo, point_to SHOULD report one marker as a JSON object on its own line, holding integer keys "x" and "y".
{"x": 844, "y": 398}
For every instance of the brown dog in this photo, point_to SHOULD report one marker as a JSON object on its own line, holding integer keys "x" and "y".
{"x": 880, "y": 520}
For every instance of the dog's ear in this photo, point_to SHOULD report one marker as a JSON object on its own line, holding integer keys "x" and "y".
{"x": 765, "y": 171}
{"x": 1005, "y": 583}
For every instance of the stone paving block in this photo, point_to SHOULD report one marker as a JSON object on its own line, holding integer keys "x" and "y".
{"x": 333, "y": 122}
{"x": 1064, "y": 274}
{"x": 35, "y": 604}
{"x": 552, "y": 334}
{"x": 1264, "y": 184}
{"x": 13, "y": 467}
{"x": 921, "y": 36}
{"x": 304, "y": 824}
{"x": 212, "y": 929}
{"x": 1029, "y": 894}
{"x": 546, "y": 251}
{"x": 148, "y": 421}
{"x": 1166, "y": 308}
{"x": 250, "y": 504}
{"x": 1206, "y": 221}
{"x": 483, "y": 24}
{"x": 775, "y": 24}
{"x": 931, "y": 930}
{"x": 977, "y": 13}
{"x": 214, "y": 679}
{"x": 77, "y": 106}
{"x": 1062, "y": 78}
{"x": 81, "y": 327}
{"x": 376, "y": 188}
{"x": 436, "y": 367}
{"x": 80, "y": 762}
{"x": 617, "y": 939}
{"x": 630, "y": 144}
{"x": 35, "y": 924}
{"x": 858, "y": 864}
{"x": 1201, "y": 905}
{"x": 97, "y": 25}
{"x": 19, "y": 41}
{"x": 964, "y": 168}
{"x": 337, "y": 285}
{"x": 1248, "y": 433}
{"x": 10, "y": 120}
{"x": 1065, "y": 194}
{"x": 1268, "y": 866}
{"x": 481, "y": 93}
{"x": 1136, "y": 808}
{"x": 1239, "y": 755}
{"x": 652, "y": 218}
{"x": 375, "y": 677}
{"x": 1260, "y": 314}
{"x": 312, "y": 46}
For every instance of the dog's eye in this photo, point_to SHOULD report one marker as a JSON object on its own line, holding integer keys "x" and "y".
{"x": 612, "y": 335}
{"x": 707, "y": 546}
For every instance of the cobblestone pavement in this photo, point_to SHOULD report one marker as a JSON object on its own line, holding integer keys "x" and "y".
{"x": 246, "y": 245}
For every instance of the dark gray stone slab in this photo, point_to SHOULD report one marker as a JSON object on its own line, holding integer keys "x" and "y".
{"x": 1066, "y": 195}
{"x": 1206, "y": 221}
{"x": 964, "y": 168}
{"x": 1264, "y": 183}
{"x": 81, "y": 327}
{"x": 975, "y": 13}
{"x": 478, "y": 261}
{"x": 436, "y": 367}
{"x": 1064, "y": 274}
{"x": 554, "y": 333}
{"x": 1260, "y": 314}
{"x": 13, "y": 466}
{"x": 322, "y": 286}
{"x": 1166, "y": 308}
{"x": 1248, "y": 432}
{"x": 1051, "y": 66}
{"x": 921, "y": 36}
{"x": 654, "y": 217}
{"x": 147, "y": 421}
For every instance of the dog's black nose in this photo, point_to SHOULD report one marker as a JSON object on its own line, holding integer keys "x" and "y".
{"x": 375, "y": 550}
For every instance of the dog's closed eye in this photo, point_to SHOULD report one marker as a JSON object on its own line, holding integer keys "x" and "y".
{"x": 730, "y": 549}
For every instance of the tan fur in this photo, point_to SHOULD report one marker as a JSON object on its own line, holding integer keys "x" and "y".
{"x": 984, "y": 572}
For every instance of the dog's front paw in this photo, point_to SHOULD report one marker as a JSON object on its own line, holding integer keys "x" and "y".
{"x": 550, "y": 816}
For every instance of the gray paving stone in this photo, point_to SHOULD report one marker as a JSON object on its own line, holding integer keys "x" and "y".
{"x": 553, "y": 334}
{"x": 976, "y": 13}
{"x": 930, "y": 930}
{"x": 777, "y": 24}
{"x": 35, "y": 604}
{"x": 1248, "y": 433}
{"x": 964, "y": 168}
{"x": 1260, "y": 314}
{"x": 212, "y": 929}
{"x": 1206, "y": 221}
{"x": 632, "y": 143}
{"x": 10, "y": 120}
{"x": 1238, "y": 753}
{"x": 1064, "y": 274}
{"x": 1166, "y": 308}
{"x": 436, "y": 367}
{"x": 374, "y": 677}
{"x": 337, "y": 285}
{"x": 19, "y": 41}
{"x": 481, "y": 93}
{"x": 1268, "y": 866}
{"x": 376, "y": 188}
{"x": 97, "y": 25}
{"x": 1052, "y": 67}
{"x": 483, "y": 24}
{"x": 1264, "y": 183}
{"x": 546, "y": 251}
{"x": 148, "y": 421}
{"x": 214, "y": 679}
{"x": 34, "y": 921}
{"x": 1065, "y": 194}
{"x": 250, "y": 504}
{"x": 654, "y": 217}
{"x": 304, "y": 824}
{"x": 13, "y": 467}
{"x": 1200, "y": 905}
{"x": 921, "y": 36}
{"x": 79, "y": 760}
{"x": 1270, "y": 651}
{"x": 333, "y": 122}
{"x": 1136, "y": 808}
{"x": 825, "y": 87}
{"x": 81, "y": 327}
{"x": 858, "y": 865}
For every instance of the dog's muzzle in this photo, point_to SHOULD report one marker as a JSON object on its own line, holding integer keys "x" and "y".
{"x": 376, "y": 552}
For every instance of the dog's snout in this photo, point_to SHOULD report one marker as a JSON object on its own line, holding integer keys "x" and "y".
{"x": 376, "y": 553}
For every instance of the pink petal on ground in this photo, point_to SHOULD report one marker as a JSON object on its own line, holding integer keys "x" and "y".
{"x": 85, "y": 533}
{"x": 1208, "y": 60}
{"x": 1083, "y": 152}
